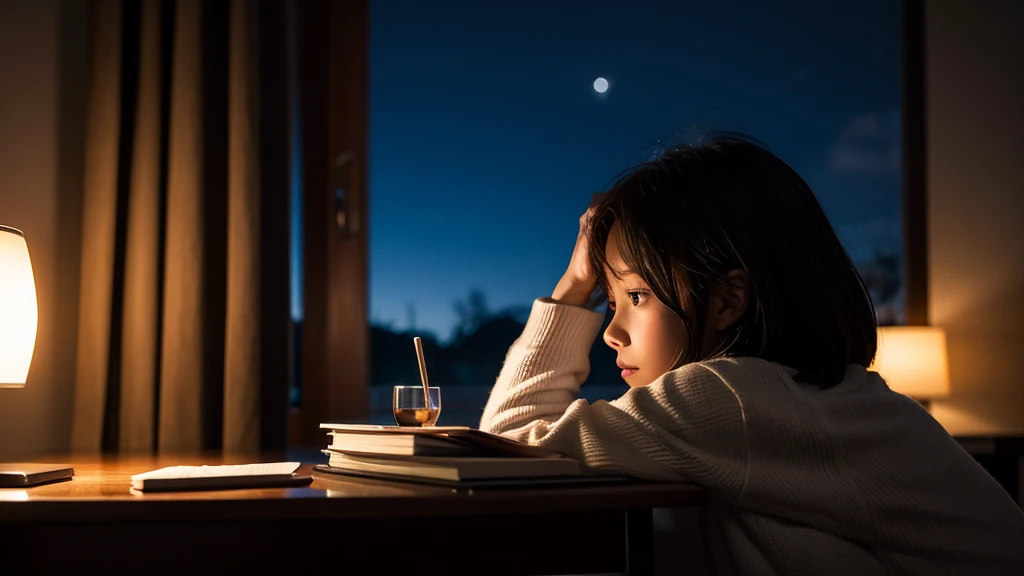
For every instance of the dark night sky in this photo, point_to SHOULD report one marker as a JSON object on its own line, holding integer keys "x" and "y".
{"x": 487, "y": 137}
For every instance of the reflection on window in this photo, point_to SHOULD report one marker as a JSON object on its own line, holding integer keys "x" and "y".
{"x": 492, "y": 123}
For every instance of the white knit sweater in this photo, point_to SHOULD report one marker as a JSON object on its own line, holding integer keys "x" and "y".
{"x": 853, "y": 480}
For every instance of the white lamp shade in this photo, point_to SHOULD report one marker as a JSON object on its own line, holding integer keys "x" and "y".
{"x": 912, "y": 360}
{"x": 19, "y": 315}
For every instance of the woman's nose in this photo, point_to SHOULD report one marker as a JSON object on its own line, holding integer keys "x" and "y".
{"x": 615, "y": 336}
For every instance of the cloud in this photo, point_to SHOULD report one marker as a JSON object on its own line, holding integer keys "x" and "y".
{"x": 869, "y": 143}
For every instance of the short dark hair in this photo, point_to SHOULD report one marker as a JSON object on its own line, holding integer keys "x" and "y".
{"x": 697, "y": 212}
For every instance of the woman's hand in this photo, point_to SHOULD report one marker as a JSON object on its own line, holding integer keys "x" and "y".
{"x": 579, "y": 282}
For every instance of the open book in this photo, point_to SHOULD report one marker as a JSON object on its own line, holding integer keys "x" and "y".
{"x": 432, "y": 441}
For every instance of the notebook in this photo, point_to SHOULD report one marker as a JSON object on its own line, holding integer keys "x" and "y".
{"x": 31, "y": 474}
{"x": 264, "y": 475}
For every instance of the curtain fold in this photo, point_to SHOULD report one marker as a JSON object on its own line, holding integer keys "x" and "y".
{"x": 143, "y": 245}
{"x": 183, "y": 313}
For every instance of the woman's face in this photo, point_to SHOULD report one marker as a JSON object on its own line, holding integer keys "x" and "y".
{"x": 647, "y": 335}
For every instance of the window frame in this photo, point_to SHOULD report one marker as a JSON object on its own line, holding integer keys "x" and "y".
{"x": 333, "y": 79}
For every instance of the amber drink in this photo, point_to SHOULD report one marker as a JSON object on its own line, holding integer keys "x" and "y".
{"x": 410, "y": 409}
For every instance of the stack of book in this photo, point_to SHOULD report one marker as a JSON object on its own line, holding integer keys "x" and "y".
{"x": 453, "y": 456}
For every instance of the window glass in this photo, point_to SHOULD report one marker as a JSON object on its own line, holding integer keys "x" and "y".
{"x": 492, "y": 123}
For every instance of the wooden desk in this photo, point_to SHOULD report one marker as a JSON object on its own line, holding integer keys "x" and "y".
{"x": 345, "y": 525}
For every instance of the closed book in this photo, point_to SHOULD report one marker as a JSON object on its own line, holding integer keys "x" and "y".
{"x": 457, "y": 468}
{"x": 401, "y": 444}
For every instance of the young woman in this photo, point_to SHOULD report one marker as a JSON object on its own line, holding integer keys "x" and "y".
{"x": 744, "y": 332}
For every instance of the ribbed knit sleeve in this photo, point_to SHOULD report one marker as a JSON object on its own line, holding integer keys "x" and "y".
{"x": 687, "y": 425}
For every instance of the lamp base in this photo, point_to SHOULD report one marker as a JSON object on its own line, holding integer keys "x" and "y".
{"x": 21, "y": 475}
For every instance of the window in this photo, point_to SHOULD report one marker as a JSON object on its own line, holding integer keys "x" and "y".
{"x": 491, "y": 124}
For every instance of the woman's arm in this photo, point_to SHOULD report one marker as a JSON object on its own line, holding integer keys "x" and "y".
{"x": 543, "y": 370}
{"x": 686, "y": 425}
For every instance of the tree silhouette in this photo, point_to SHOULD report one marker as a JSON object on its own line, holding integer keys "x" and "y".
{"x": 393, "y": 357}
{"x": 475, "y": 353}
{"x": 471, "y": 313}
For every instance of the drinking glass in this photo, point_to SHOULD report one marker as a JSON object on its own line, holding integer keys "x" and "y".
{"x": 408, "y": 406}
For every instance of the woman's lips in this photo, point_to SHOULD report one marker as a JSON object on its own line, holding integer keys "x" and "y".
{"x": 627, "y": 370}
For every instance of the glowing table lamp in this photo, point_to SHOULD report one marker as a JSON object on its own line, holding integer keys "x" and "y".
{"x": 913, "y": 361}
{"x": 18, "y": 319}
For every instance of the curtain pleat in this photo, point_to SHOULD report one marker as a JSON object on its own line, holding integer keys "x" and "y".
{"x": 99, "y": 214}
{"x": 183, "y": 371}
{"x": 143, "y": 255}
{"x": 242, "y": 361}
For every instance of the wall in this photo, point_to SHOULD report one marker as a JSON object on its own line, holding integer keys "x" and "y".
{"x": 975, "y": 120}
{"x": 43, "y": 62}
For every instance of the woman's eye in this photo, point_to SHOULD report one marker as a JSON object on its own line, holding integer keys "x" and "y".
{"x": 636, "y": 297}
{"x": 611, "y": 305}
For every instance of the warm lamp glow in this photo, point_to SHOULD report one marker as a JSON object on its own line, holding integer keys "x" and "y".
{"x": 18, "y": 311}
{"x": 913, "y": 361}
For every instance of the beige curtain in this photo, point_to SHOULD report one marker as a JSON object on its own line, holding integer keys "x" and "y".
{"x": 183, "y": 312}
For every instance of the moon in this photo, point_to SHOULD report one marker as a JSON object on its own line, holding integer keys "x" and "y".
{"x": 600, "y": 85}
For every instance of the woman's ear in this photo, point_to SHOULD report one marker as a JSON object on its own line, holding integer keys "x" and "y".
{"x": 729, "y": 301}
